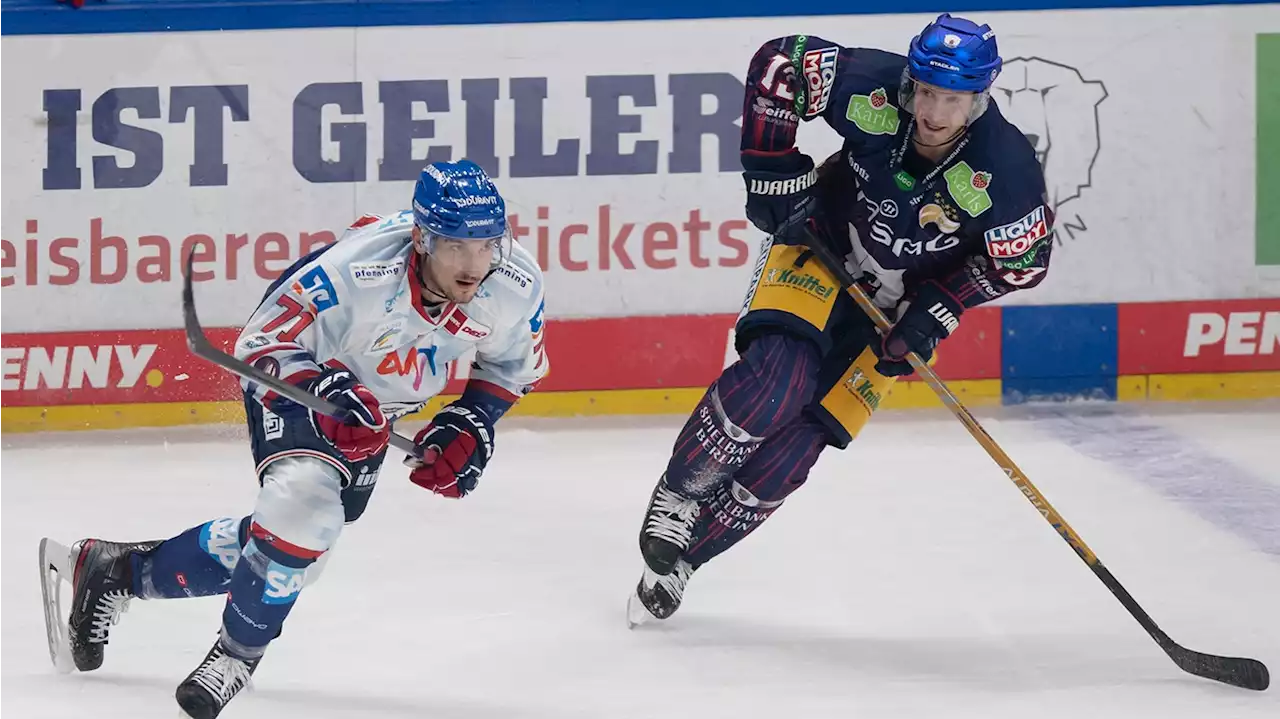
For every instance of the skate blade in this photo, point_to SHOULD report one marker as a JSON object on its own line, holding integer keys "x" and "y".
{"x": 56, "y": 565}
{"x": 637, "y": 614}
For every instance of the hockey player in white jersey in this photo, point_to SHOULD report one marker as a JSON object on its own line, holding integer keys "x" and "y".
{"x": 371, "y": 323}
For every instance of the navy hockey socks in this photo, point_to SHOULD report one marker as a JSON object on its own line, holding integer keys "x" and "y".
{"x": 264, "y": 586}
{"x": 196, "y": 563}
{"x": 775, "y": 470}
{"x": 766, "y": 388}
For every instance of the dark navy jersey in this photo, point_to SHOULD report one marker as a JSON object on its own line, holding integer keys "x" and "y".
{"x": 977, "y": 223}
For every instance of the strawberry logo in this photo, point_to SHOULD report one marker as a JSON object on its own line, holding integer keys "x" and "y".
{"x": 981, "y": 180}
{"x": 872, "y": 113}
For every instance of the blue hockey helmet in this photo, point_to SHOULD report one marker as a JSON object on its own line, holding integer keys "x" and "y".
{"x": 458, "y": 201}
{"x": 955, "y": 54}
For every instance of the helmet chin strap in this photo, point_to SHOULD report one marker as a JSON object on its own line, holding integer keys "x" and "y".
{"x": 423, "y": 281}
{"x": 916, "y": 137}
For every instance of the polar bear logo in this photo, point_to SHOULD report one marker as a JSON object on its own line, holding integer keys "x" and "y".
{"x": 1057, "y": 110}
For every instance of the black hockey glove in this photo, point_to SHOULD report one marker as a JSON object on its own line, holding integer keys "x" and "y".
{"x": 931, "y": 317}
{"x": 780, "y": 191}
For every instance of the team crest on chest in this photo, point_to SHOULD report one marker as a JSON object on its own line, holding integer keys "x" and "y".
{"x": 941, "y": 214}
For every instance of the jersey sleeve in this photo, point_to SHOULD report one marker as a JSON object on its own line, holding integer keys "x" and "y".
{"x": 302, "y": 313}
{"x": 801, "y": 78}
{"x": 509, "y": 363}
{"x": 1016, "y": 243}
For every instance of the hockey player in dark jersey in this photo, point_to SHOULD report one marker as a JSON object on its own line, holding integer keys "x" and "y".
{"x": 936, "y": 202}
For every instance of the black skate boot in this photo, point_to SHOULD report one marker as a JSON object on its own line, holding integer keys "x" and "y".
{"x": 102, "y": 586}
{"x": 207, "y": 690}
{"x": 668, "y": 528}
{"x": 658, "y": 596}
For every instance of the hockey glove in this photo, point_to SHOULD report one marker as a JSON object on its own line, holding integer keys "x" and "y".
{"x": 456, "y": 446}
{"x": 365, "y": 432}
{"x": 780, "y": 191}
{"x": 930, "y": 318}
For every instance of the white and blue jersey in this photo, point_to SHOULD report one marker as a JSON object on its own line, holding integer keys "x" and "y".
{"x": 357, "y": 304}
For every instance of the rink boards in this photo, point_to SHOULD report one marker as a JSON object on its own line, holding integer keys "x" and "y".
{"x": 617, "y": 156}
{"x": 249, "y": 133}
{"x": 661, "y": 364}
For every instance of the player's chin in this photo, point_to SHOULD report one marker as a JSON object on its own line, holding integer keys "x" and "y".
{"x": 465, "y": 290}
{"x": 931, "y": 136}
{"x": 949, "y": 132}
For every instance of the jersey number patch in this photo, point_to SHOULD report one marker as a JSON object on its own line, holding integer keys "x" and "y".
{"x": 1020, "y": 278}
{"x": 292, "y": 310}
{"x": 779, "y": 87}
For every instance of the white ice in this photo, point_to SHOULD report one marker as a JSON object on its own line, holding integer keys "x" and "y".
{"x": 909, "y": 578}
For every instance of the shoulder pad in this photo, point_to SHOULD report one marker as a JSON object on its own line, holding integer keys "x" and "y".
{"x": 363, "y": 220}
{"x": 518, "y": 279}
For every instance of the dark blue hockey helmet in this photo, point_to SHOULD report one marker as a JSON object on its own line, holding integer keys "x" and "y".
{"x": 955, "y": 54}
{"x": 458, "y": 201}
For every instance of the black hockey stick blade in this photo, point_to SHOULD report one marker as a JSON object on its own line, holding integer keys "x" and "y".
{"x": 1236, "y": 671}
{"x": 201, "y": 347}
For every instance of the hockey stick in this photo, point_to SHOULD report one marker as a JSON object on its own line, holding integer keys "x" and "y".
{"x": 201, "y": 347}
{"x": 1237, "y": 671}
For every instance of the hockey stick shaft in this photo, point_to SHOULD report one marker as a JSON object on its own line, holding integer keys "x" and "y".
{"x": 200, "y": 346}
{"x": 1241, "y": 672}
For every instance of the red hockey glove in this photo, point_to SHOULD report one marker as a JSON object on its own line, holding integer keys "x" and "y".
{"x": 365, "y": 431}
{"x": 456, "y": 446}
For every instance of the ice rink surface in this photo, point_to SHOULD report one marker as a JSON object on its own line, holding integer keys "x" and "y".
{"x": 910, "y": 578}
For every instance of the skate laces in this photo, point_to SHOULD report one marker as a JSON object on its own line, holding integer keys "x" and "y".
{"x": 222, "y": 675}
{"x": 106, "y": 612}
{"x": 675, "y": 582}
{"x": 672, "y": 517}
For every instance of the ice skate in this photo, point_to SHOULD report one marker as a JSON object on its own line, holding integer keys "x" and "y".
{"x": 101, "y": 579}
{"x": 212, "y": 685}
{"x": 657, "y": 596}
{"x": 668, "y": 528}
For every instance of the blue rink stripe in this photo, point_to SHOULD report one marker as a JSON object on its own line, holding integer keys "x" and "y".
{"x": 44, "y": 17}
{"x": 1223, "y": 494}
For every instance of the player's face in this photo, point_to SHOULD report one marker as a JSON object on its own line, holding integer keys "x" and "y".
{"x": 456, "y": 267}
{"x": 940, "y": 114}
